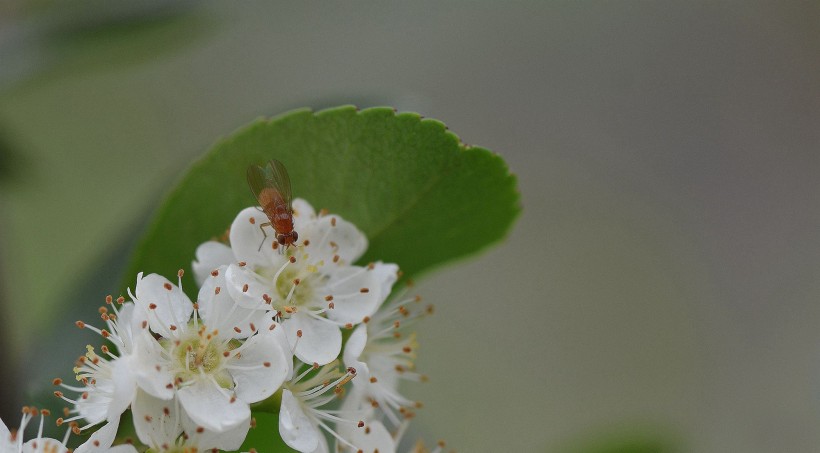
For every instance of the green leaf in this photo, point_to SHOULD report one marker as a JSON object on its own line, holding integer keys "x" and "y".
{"x": 264, "y": 437}
{"x": 420, "y": 195}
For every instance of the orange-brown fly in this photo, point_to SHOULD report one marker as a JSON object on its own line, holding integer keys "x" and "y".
{"x": 270, "y": 185}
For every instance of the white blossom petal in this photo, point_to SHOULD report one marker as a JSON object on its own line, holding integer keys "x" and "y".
{"x": 247, "y": 236}
{"x": 296, "y": 429}
{"x": 374, "y": 438}
{"x": 359, "y": 291}
{"x": 209, "y": 256}
{"x": 321, "y": 341}
{"x": 219, "y": 311}
{"x": 353, "y": 350}
{"x": 151, "y": 367}
{"x": 164, "y": 304}
{"x": 302, "y": 212}
{"x": 331, "y": 235}
{"x": 44, "y": 444}
{"x": 203, "y": 399}
{"x": 263, "y": 365}
{"x": 124, "y": 386}
{"x": 253, "y": 295}
{"x": 101, "y": 440}
{"x": 205, "y": 440}
{"x": 156, "y": 421}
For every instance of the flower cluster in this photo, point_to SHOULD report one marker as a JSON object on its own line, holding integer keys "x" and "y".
{"x": 272, "y": 326}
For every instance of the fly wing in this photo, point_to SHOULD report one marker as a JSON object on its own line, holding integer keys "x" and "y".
{"x": 276, "y": 172}
{"x": 256, "y": 180}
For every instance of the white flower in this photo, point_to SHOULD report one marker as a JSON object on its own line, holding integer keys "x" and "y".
{"x": 109, "y": 380}
{"x": 313, "y": 285}
{"x": 12, "y": 441}
{"x": 164, "y": 428}
{"x": 375, "y": 438}
{"x": 204, "y": 363}
{"x": 383, "y": 355}
{"x": 302, "y": 416}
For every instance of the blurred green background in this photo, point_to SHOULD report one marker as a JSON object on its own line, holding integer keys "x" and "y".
{"x": 660, "y": 291}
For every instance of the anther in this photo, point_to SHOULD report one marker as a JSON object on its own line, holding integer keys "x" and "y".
{"x": 242, "y": 264}
{"x": 373, "y": 380}
{"x": 180, "y": 273}
{"x": 245, "y": 288}
{"x": 333, "y": 221}
{"x": 57, "y": 381}
{"x": 292, "y": 259}
{"x": 360, "y": 424}
{"x": 252, "y": 220}
{"x": 306, "y": 242}
{"x": 331, "y": 305}
{"x": 366, "y": 319}
{"x": 152, "y": 306}
{"x": 120, "y": 300}
{"x": 217, "y": 290}
{"x": 328, "y": 298}
{"x": 80, "y": 324}
{"x": 364, "y": 290}
{"x": 214, "y": 272}
{"x": 299, "y": 333}
{"x": 335, "y": 258}
{"x": 237, "y": 330}
{"x": 296, "y": 281}
{"x": 168, "y": 286}
{"x": 109, "y": 299}
{"x": 266, "y": 364}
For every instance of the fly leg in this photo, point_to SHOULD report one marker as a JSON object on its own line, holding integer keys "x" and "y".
{"x": 262, "y": 227}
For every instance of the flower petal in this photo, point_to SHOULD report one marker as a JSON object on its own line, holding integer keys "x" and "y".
{"x": 125, "y": 386}
{"x": 209, "y": 256}
{"x": 205, "y": 440}
{"x": 219, "y": 310}
{"x": 374, "y": 438}
{"x": 254, "y": 295}
{"x": 45, "y": 444}
{"x": 155, "y": 420}
{"x": 359, "y": 291}
{"x": 302, "y": 212}
{"x": 164, "y": 303}
{"x": 331, "y": 235}
{"x": 296, "y": 429}
{"x": 203, "y": 400}
{"x": 101, "y": 440}
{"x": 353, "y": 351}
{"x": 249, "y": 241}
{"x": 151, "y": 367}
{"x": 321, "y": 341}
{"x": 263, "y": 365}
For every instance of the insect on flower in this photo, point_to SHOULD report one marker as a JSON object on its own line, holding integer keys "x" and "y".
{"x": 270, "y": 185}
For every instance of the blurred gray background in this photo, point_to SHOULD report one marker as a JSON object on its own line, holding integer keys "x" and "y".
{"x": 661, "y": 284}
